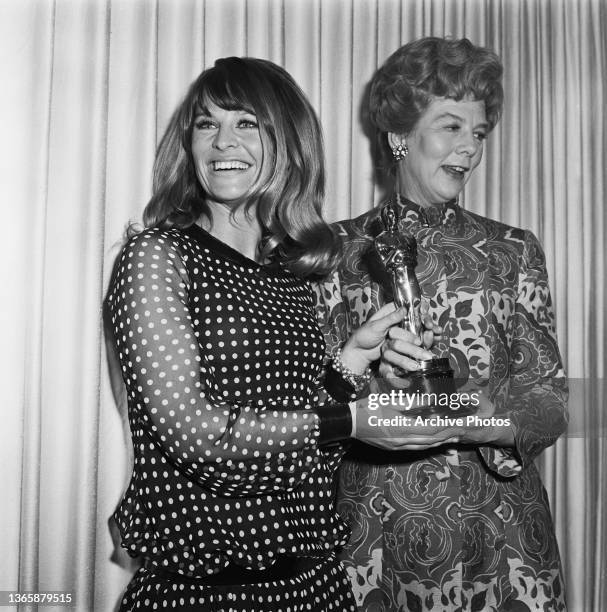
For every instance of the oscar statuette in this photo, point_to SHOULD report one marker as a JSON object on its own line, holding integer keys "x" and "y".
{"x": 433, "y": 380}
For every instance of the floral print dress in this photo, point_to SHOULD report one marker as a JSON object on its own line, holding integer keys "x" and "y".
{"x": 459, "y": 527}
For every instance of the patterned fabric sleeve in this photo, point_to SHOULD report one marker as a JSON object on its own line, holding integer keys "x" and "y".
{"x": 537, "y": 400}
{"x": 331, "y": 313}
{"x": 333, "y": 321}
{"x": 232, "y": 450}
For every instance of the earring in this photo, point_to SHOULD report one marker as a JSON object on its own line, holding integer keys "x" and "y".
{"x": 400, "y": 151}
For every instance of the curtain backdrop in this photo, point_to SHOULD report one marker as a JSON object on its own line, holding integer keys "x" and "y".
{"x": 88, "y": 87}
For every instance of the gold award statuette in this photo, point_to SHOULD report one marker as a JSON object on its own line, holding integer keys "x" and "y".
{"x": 397, "y": 251}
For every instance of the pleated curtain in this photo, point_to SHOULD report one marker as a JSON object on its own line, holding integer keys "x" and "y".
{"x": 87, "y": 90}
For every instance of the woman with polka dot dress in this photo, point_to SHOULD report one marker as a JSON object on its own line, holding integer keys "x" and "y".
{"x": 230, "y": 505}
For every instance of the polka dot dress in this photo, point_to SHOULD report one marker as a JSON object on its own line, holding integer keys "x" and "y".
{"x": 323, "y": 588}
{"x": 221, "y": 356}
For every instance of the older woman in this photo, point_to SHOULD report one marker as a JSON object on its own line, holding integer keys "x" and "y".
{"x": 466, "y": 526}
{"x": 230, "y": 506}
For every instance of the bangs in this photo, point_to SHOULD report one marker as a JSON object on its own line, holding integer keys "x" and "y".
{"x": 225, "y": 90}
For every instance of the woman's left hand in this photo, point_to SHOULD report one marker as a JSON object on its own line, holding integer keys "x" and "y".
{"x": 363, "y": 346}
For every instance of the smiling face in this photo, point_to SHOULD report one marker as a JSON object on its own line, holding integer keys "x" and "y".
{"x": 228, "y": 154}
{"x": 445, "y": 147}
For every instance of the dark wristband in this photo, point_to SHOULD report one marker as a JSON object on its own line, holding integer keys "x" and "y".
{"x": 335, "y": 423}
{"x": 338, "y": 387}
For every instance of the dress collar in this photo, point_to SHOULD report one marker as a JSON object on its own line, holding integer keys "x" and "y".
{"x": 427, "y": 216}
{"x": 273, "y": 267}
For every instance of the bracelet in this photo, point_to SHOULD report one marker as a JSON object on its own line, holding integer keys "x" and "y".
{"x": 358, "y": 381}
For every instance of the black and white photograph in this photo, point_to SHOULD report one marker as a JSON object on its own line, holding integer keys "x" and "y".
{"x": 303, "y": 305}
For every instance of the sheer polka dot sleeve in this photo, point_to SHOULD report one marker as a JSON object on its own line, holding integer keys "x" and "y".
{"x": 186, "y": 392}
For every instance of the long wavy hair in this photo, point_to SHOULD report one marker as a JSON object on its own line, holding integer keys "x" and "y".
{"x": 404, "y": 86}
{"x": 289, "y": 201}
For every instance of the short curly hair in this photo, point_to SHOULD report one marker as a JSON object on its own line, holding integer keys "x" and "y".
{"x": 404, "y": 86}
